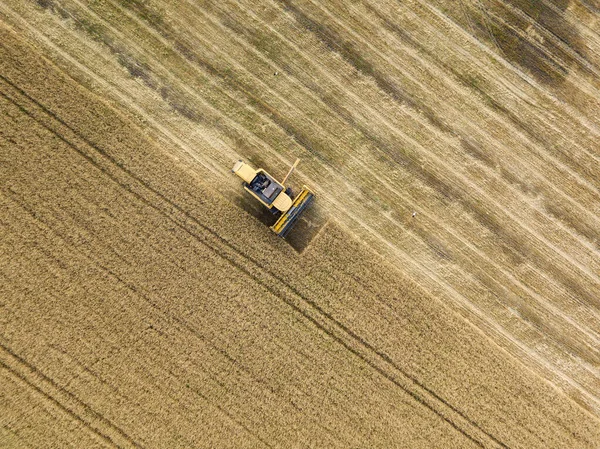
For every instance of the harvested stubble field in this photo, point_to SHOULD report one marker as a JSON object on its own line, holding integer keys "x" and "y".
{"x": 141, "y": 306}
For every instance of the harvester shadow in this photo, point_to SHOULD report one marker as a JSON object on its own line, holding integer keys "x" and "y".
{"x": 303, "y": 232}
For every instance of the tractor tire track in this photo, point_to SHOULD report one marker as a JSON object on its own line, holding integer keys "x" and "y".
{"x": 405, "y": 258}
{"x": 395, "y": 193}
{"x": 175, "y": 210}
{"x": 269, "y": 111}
{"x": 154, "y": 304}
{"x": 63, "y": 400}
{"x": 304, "y": 306}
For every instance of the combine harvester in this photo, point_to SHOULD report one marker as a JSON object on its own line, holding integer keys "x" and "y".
{"x": 274, "y": 195}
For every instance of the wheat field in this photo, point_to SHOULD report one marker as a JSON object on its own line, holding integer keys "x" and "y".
{"x": 144, "y": 303}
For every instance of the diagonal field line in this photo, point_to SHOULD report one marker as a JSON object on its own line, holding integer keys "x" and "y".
{"x": 278, "y": 286}
{"x": 594, "y": 277}
{"x": 59, "y": 398}
{"x": 371, "y": 231}
{"x": 374, "y": 175}
{"x": 155, "y": 306}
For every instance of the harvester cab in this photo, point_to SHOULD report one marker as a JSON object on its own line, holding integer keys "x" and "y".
{"x": 274, "y": 195}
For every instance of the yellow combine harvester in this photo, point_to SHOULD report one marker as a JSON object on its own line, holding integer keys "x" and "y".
{"x": 274, "y": 195}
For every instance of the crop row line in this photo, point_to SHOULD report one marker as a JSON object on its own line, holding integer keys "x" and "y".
{"x": 370, "y": 230}
{"x": 499, "y": 59}
{"x": 153, "y": 304}
{"x": 433, "y": 62}
{"x": 560, "y": 42}
{"x": 459, "y": 177}
{"x": 381, "y": 145}
{"x": 575, "y": 297}
{"x": 429, "y": 177}
{"x": 133, "y": 288}
{"x": 65, "y": 401}
{"x": 284, "y": 127}
{"x": 303, "y": 305}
